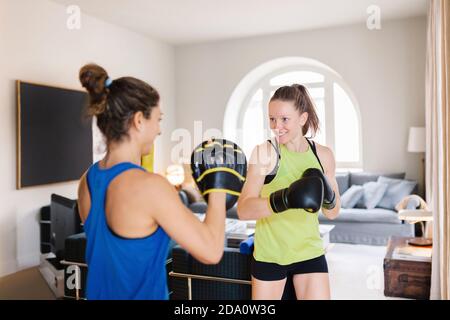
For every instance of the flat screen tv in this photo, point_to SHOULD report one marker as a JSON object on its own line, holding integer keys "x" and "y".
{"x": 54, "y": 139}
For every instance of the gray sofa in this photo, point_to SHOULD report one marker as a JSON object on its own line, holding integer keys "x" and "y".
{"x": 355, "y": 225}
{"x": 366, "y": 226}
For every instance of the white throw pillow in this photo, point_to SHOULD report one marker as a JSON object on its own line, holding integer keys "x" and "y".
{"x": 351, "y": 196}
{"x": 372, "y": 195}
{"x": 396, "y": 191}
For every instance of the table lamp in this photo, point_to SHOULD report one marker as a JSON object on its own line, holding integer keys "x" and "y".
{"x": 175, "y": 175}
{"x": 414, "y": 216}
{"x": 416, "y": 139}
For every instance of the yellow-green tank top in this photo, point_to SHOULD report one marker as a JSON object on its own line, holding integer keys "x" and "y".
{"x": 293, "y": 235}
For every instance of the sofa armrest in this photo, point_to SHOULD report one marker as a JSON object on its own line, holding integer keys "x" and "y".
{"x": 75, "y": 247}
{"x": 229, "y": 279}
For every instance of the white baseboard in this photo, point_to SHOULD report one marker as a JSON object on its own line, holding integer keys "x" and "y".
{"x": 28, "y": 261}
{"x": 7, "y": 268}
{"x": 21, "y": 263}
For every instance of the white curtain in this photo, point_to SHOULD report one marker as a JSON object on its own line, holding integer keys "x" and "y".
{"x": 438, "y": 134}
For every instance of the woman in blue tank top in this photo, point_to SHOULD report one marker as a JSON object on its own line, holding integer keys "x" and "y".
{"x": 128, "y": 213}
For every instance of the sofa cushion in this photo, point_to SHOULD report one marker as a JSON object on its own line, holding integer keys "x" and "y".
{"x": 184, "y": 197}
{"x": 343, "y": 181}
{"x": 351, "y": 196}
{"x": 192, "y": 192}
{"x": 198, "y": 207}
{"x": 75, "y": 247}
{"x": 376, "y": 215}
{"x": 372, "y": 195}
{"x": 359, "y": 178}
{"x": 396, "y": 191}
{"x": 232, "y": 212}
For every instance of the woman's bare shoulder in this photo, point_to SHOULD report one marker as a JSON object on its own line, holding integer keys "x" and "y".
{"x": 326, "y": 155}
{"x": 323, "y": 149}
{"x": 140, "y": 182}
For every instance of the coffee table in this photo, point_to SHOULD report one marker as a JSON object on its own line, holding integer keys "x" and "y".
{"x": 240, "y": 230}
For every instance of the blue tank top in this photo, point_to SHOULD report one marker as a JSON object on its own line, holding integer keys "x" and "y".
{"x": 121, "y": 268}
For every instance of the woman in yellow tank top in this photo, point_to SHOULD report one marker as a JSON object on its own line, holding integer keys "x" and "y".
{"x": 287, "y": 240}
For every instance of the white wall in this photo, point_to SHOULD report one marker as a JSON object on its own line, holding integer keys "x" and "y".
{"x": 36, "y": 46}
{"x": 384, "y": 68}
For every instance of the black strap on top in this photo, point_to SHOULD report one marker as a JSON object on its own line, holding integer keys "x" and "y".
{"x": 278, "y": 154}
{"x": 313, "y": 147}
{"x": 273, "y": 173}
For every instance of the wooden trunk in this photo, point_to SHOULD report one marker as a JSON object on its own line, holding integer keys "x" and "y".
{"x": 405, "y": 278}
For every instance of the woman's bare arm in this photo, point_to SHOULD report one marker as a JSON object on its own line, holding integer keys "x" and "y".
{"x": 250, "y": 205}
{"x": 329, "y": 166}
{"x": 203, "y": 240}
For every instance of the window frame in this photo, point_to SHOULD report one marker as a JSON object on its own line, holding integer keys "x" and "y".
{"x": 329, "y": 79}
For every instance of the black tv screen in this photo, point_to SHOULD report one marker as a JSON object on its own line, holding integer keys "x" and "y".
{"x": 54, "y": 139}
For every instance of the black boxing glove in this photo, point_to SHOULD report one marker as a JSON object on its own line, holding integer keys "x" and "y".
{"x": 329, "y": 196}
{"x": 219, "y": 165}
{"x": 305, "y": 193}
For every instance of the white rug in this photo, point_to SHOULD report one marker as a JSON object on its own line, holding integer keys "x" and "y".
{"x": 356, "y": 272}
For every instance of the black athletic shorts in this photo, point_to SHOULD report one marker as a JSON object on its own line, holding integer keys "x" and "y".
{"x": 268, "y": 271}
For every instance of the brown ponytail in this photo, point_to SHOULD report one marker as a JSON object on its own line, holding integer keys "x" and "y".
{"x": 299, "y": 95}
{"x": 114, "y": 102}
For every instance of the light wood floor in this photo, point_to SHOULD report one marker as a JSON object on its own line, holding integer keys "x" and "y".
{"x": 25, "y": 285}
{"x": 356, "y": 273}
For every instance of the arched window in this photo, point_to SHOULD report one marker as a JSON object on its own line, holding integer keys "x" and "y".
{"x": 246, "y": 118}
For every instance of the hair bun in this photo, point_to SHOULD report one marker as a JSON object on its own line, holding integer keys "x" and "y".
{"x": 92, "y": 78}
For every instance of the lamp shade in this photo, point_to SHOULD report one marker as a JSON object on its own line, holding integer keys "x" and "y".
{"x": 416, "y": 139}
{"x": 175, "y": 174}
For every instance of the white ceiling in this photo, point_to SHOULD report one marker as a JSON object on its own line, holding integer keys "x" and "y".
{"x": 191, "y": 21}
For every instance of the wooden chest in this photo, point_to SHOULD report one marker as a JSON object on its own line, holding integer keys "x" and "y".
{"x": 405, "y": 278}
